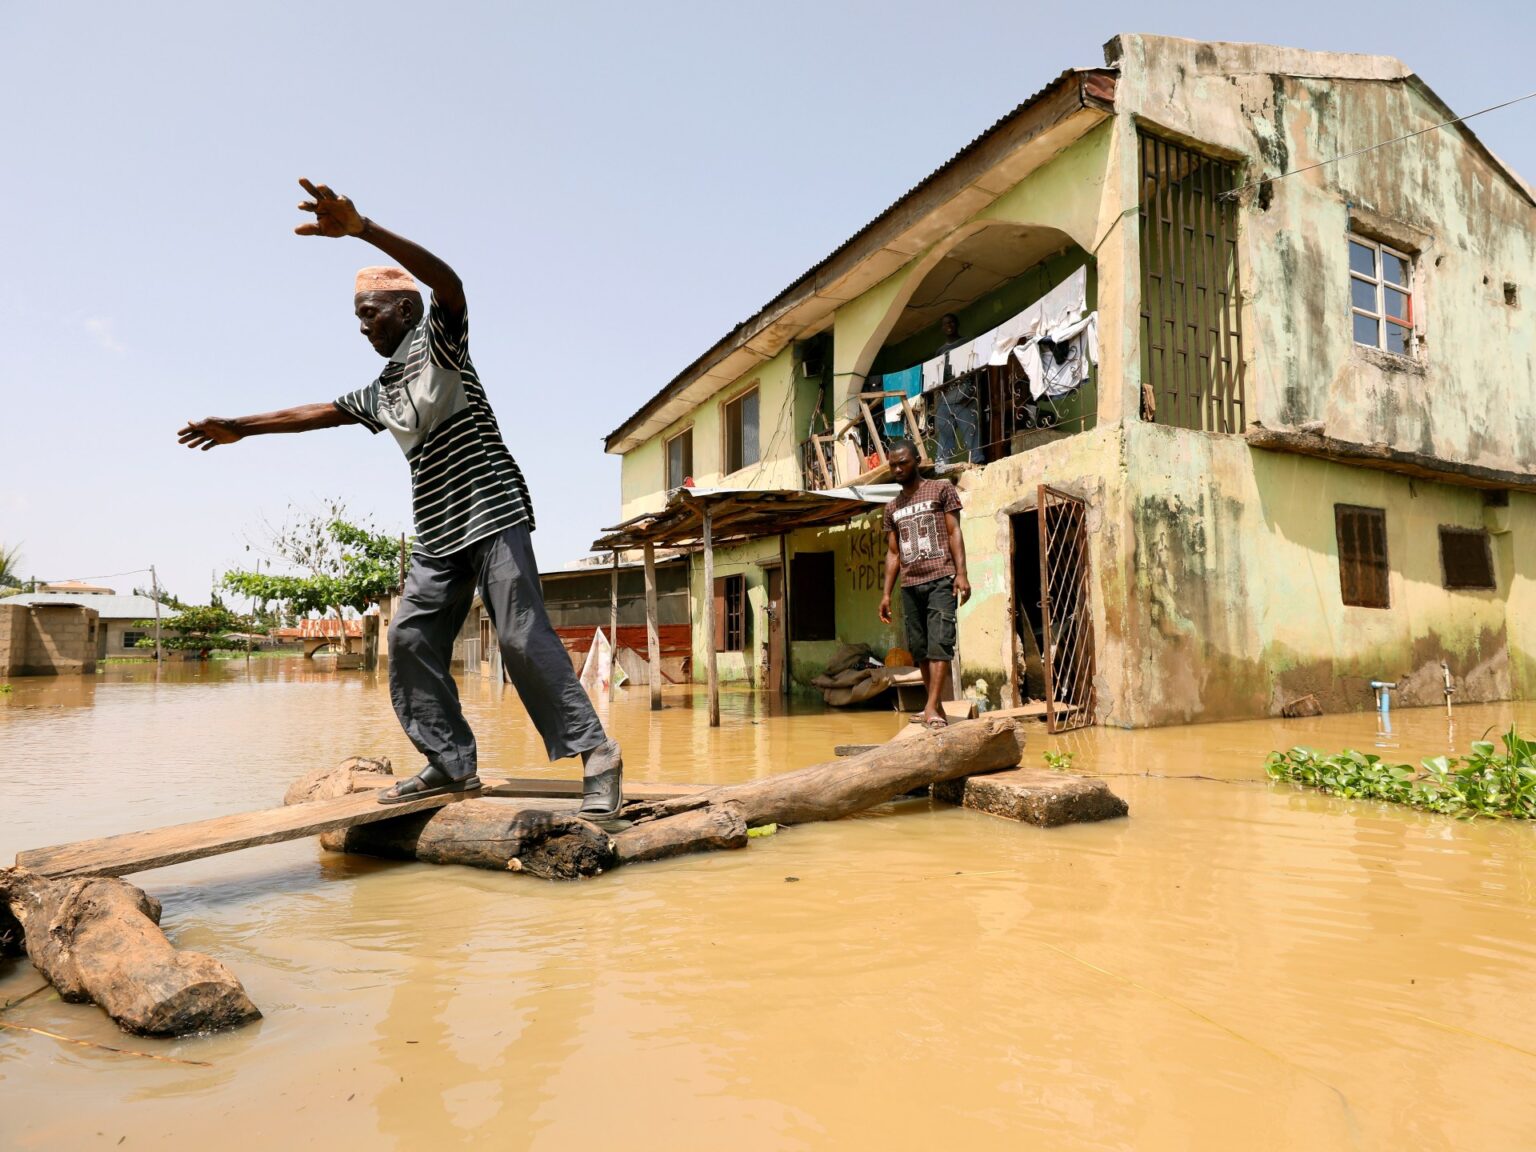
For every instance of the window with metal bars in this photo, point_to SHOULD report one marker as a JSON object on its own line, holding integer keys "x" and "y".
{"x": 1363, "y": 570}
{"x": 1191, "y": 330}
{"x": 1466, "y": 558}
{"x": 730, "y": 613}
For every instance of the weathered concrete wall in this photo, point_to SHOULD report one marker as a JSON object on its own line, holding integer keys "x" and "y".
{"x": 1467, "y": 395}
{"x": 858, "y": 566}
{"x": 643, "y": 471}
{"x": 47, "y": 640}
{"x": 1091, "y": 467}
{"x": 1235, "y": 606}
{"x": 737, "y": 559}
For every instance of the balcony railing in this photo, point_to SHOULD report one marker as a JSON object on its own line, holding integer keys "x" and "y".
{"x": 981, "y": 416}
{"x": 853, "y": 452}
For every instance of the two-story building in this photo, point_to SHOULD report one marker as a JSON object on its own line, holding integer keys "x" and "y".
{"x": 1240, "y": 406}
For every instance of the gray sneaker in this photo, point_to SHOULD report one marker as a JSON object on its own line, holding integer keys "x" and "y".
{"x": 602, "y": 782}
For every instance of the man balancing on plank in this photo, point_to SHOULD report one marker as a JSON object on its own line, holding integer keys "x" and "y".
{"x": 923, "y": 544}
{"x": 473, "y": 519}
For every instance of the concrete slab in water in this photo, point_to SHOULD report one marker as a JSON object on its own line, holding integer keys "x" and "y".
{"x": 1034, "y": 796}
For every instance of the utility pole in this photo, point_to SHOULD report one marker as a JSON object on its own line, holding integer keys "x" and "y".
{"x": 154, "y": 590}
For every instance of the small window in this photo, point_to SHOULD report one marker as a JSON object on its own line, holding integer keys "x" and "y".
{"x": 812, "y": 605}
{"x": 131, "y": 639}
{"x": 741, "y": 432}
{"x": 1362, "y": 534}
{"x": 730, "y": 613}
{"x": 1466, "y": 558}
{"x": 679, "y": 459}
{"x": 1381, "y": 296}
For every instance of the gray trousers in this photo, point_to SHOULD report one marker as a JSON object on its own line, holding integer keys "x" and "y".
{"x": 433, "y": 607}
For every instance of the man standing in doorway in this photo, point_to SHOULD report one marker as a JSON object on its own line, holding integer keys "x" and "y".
{"x": 924, "y": 545}
{"x": 473, "y": 519}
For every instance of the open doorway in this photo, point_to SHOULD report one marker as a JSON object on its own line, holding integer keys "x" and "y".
{"x": 1028, "y": 624}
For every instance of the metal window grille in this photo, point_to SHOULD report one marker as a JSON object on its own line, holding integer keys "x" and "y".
{"x": 1191, "y": 326}
{"x": 1466, "y": 558}
{"x": 1065, "y": 610}
{"x": 1363, "y": 570}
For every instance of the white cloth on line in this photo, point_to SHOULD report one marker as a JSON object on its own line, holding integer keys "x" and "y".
{"x": 1063, "y": 367}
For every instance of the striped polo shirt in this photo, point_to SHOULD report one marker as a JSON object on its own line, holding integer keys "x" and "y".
{"x": 465, "y": 485}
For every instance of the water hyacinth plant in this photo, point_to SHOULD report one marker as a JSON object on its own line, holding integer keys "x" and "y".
{"x": 1485, "y": 782}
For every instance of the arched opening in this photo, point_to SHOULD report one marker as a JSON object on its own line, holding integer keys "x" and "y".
{"x": 990, "y": 351}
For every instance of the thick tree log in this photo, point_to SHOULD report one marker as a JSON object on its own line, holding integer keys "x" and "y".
{"x": 97, "y": 939}
{"x": 717, "y": 826}
{"x": 842, "y": 787}
{"x": 504, "y": 835}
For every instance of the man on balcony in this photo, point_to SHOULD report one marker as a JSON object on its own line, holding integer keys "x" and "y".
{"x": 957, "y": 415}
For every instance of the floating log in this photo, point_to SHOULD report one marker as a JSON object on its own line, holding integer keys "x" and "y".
{"x": 98, "y": 940}
{"x": 720, "y": 825}
{"x": 841, "y": 787}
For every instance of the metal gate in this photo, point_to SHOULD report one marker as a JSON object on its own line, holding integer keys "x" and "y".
{"x": 1065, "y": 609}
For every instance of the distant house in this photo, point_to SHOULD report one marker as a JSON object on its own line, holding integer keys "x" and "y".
{"x": 119, "y": 617}
{"x": 579, "y": 602}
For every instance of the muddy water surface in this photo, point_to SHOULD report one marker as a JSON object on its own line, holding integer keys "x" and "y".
{"x": 1237, "y": 966}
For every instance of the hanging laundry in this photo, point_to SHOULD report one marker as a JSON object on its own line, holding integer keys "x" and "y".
{"x": 933, "y": 372}
{"x": 1059, "y": 361}
{"x": 1063, "y": 304}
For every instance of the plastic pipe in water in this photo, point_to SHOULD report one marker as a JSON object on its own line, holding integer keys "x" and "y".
{"x": 1383, "y": 689}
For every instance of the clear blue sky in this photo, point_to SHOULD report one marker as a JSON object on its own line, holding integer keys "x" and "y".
{"x": 617, "y": 185}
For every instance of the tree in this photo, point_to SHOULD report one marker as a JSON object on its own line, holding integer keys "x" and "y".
{"x": 10, "y": 569}
{"x": 342, "y": 565}
{"x": 201, "y": 629}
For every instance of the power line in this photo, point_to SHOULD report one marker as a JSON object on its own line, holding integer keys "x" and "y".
{"x": 106, "y": 576}
{"x": 1235, "y": 192}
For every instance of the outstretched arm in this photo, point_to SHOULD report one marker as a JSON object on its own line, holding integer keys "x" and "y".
{"x": 337, "y": 216}
{"x": 214, "y": 430}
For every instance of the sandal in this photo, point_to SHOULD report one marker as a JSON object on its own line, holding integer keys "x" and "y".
{"x": 430, "y": 781}
{"x": 935, "y": 723}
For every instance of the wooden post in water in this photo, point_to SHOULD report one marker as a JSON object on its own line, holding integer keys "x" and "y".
{"x": 613, "y": 613}
{"x": 785, "y": 679}
{"x": 652, "y": 634}
{"x": 709, "y": 620}
{"x": 154, "y": 586}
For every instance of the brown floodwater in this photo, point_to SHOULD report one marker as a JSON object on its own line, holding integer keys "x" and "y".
{"x": 1238, "y": 965}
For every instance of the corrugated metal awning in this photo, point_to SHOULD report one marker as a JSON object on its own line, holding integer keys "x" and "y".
{"x": 738, "y": 514}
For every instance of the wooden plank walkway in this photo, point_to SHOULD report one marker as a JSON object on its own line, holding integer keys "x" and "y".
{"x": 158, "y": 847}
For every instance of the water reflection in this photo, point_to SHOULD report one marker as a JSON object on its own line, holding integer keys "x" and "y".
{"x": 1239, "y": 964}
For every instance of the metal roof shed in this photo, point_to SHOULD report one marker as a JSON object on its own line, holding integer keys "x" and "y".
{"x": 704, "y": 517}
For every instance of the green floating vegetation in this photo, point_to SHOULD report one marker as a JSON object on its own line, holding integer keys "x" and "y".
{"x": 1057, "y": 761}
{"x": 762, "y": 830}
{"x": 1485, "y": 782}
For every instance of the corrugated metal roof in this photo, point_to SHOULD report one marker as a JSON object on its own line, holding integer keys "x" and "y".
{"x": 106, "y": 607}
